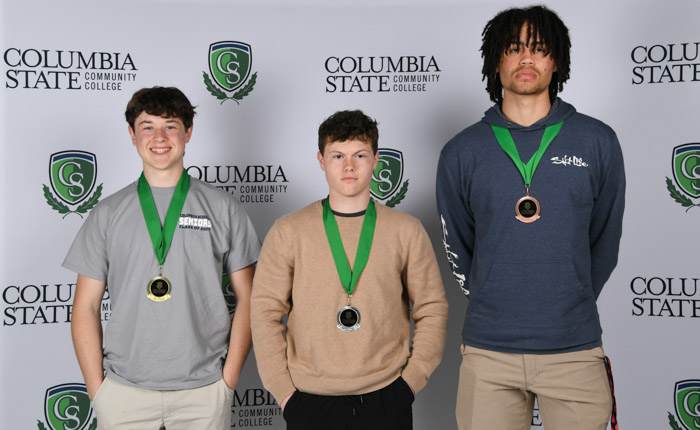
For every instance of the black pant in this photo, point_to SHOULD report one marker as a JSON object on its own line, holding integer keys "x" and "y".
{"x": 385, "y": 409}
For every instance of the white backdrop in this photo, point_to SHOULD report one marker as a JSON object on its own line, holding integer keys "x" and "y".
{"x": 69, "y": 68}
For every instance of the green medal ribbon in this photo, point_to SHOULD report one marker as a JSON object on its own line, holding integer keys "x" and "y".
{"x": 349, "y": 278}
{"x": 506, "y": 141}
{"x": 162, "y": 236}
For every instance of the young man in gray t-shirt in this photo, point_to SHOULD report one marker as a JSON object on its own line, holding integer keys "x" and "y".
{"x": 171, "y": 355}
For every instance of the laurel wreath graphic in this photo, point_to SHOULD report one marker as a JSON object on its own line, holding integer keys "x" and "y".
{"x": 672, "y": 421}
{"x": 396, "y": 199}
{"x": 678, "y": 196}
{"x": 238, "y": 95}
{"x": 93, "y": 425}
{"x": 64, "y": 210}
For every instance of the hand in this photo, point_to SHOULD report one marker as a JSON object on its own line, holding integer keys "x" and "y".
{"x": 286, "y": 399}
{"x": 92, "y": 387}
{"x": 230, "y": 380}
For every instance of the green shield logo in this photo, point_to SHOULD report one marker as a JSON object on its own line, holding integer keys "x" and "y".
{"x": 388, "y": 174}
{"x": 230, "y": 63}
{"x": 687, "y": 396}
{"x": 67, "y": 407}
{"x": 73, "y": 175}
{"x": 686, "y": 168}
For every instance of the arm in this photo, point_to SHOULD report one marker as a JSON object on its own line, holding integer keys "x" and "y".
{"x": 240, "y": 341}
{"x": 455, "y": 218}
{"x": 271, "y": 301}
{"x": 86, "y": 330}
{"x": 606, "y": 218}
{"x": 422, "y": 279}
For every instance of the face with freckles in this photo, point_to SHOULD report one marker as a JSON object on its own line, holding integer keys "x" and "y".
{"x": 160, "y": 142}
{"x": 348, "y": 166}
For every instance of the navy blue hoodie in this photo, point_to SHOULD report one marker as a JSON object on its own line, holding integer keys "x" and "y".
{"x": 532, "y": 288}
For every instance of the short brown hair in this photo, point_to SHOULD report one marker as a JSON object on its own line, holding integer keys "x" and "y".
{"x": 167, "y": 102}
{"x": 348, "y": 125}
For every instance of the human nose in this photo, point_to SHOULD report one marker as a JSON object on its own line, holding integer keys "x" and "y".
{"x": 159, "y": 134}
{"x": 348, "y": 164}
{"x": 526, "y": 56}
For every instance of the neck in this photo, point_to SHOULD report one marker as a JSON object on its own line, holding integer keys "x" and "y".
{"x": 348, "y": 205}
{"x": 162, "y": 178}
{"x": 525, "y": 110}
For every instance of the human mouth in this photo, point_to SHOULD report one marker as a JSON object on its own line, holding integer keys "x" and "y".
{"x": 527, "y": 73}
{"x": 160, "y": 150}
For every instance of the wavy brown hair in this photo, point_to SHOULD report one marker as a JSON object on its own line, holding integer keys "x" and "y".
{"x": 167, "y": 102}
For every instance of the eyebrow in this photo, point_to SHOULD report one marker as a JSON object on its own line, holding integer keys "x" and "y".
{"x": 335, "y": 151}
{"x": 167, "y": 121}
{"x": 532, "y": 42}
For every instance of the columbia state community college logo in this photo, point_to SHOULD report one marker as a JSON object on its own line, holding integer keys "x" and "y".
{"x": 73, "y": 175}
{"x": 387, "y": 177}
{"x": 686, "y": 172}
{"x": 67, "y": 407}
{"x": 230, "y": 65}
{"x": 686, "y": 399}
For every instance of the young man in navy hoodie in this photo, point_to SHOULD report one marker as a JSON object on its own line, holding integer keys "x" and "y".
{"x": 531, "y": 201}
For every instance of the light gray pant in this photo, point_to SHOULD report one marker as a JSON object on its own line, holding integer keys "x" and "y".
{"x": 122, "y": 407}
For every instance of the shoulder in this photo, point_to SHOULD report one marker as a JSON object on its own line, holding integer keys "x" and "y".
{"x": 110, "y": 204}
{"x": 209, "y": 196}
{"x": 396, "y": 220}
{"x": 210, "y": 192}
{"x": 470, "y": 140}
{"x": 302, "y": 218}
{"x": 587, "y": 124}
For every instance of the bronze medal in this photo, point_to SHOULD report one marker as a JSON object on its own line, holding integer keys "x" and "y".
{"x": 348, "y": 319}
{"x": 527, "y": 209}
{"x": 159, "y": 289}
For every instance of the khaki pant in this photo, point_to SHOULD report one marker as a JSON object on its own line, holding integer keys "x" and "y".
{"x": 122, "y": 407}
{"x": 497, "y": 390}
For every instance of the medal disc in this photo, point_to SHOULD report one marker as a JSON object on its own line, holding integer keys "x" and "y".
{"x": 159, "y": 289}
{"x": 527, "y": 209}
{"x": 348, "y": 319}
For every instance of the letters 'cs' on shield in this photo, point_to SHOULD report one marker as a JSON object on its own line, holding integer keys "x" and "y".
{"x": 388, "y": 174}
{"x": 687, "y": 401}
{"x": 67, "y": 406}
{"x": 230, "y": 64}
{"x": 686, "y": 168}
{"x": 73, "y": 175}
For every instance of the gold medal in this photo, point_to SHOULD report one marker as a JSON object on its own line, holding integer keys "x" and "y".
{"x": 159, "y": 289}
{"x": 527, "y": 209}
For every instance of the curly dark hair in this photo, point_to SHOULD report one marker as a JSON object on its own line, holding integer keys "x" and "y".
{"x": 161, "y": 101}
{"x": 505, "y": 28}
{"x": 348, "y": 125}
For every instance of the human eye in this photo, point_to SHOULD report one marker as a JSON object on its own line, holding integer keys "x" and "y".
{"x": 513, "y": 48}
{"x": 541, "y": 48}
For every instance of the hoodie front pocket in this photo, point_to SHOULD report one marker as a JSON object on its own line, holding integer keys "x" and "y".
{"x": 532, "y": 294}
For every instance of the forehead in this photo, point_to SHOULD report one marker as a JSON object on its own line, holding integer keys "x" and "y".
{"x": 526, "y": 34}
{"x": 349, "y": 146}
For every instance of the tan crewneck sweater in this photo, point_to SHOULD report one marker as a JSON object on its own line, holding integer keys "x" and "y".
{"x": 296, "y": 275}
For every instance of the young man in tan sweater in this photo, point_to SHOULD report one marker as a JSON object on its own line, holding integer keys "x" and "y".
{"x": 349, "y": 274}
